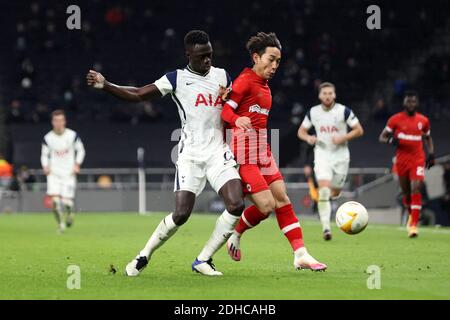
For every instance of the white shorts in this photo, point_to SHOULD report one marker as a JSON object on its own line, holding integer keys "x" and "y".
{"x": 334, "y": 171}
{"x": 61, "y": 186}
{"x": 191, "y": 175}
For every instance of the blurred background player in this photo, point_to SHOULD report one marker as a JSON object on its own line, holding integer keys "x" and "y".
{"x": 331, "y": 155}
{"x": 61, "y": 157}
{"x": 202, "y": 153}
{"x": 247, "y": 113}
{"x": 406, "y": 130}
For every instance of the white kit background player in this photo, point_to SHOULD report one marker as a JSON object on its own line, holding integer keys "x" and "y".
{"x": 61, "y": 157}
{"x": 331, "y": 121}
{"x": 202, "y": 153}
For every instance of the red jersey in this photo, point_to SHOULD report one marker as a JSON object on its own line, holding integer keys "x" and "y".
{"x": 250, "y": 97}
{"x": 409, "y": 130}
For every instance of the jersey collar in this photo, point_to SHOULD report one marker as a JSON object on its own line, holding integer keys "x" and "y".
{"x": 60, "y": 134}
{"x": 328, "y": 109}
{"x": 197, "y": 73}
{"x": 256, "y": 76}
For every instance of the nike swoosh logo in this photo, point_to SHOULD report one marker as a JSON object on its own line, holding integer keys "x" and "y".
{"x": 189, "y": 83}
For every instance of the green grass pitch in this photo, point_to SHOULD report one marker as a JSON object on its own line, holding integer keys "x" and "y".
{"x": 34, "y": 261}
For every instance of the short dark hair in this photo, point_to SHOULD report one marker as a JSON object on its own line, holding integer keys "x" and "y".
{"x": 194, "y": 37}
{"x": 326, "y": 85}
{"x": 411, "y": 93}
{"x": 259, "y": 43}
{"x": 58, "y": 112}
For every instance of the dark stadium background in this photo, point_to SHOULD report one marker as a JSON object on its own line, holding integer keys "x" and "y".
{"x": 43, "y": 68}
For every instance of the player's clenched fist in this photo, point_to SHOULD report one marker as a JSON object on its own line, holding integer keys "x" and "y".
{"x": 95, "y": 79}
{"x": 338, "y": 139}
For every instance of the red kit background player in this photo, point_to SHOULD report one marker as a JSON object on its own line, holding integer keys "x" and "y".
{"x": 247, "y": 112}
{"x": 407, "y": 130}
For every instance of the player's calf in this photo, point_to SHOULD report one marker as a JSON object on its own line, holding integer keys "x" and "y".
{"x": 56, "y": 200}
{"x": 324, "y": 208}
{"x": 251, "y": 217}
{"x": 68, "y": 207}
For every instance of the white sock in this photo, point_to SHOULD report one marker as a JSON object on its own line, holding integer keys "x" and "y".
{"x": 224, "y": 228}
{"x": 68, "y": 206}
{"x": 163, "y": 231}
{"x": 300, "y": 252}
{"x": 57, "y": 210}
{"x": 324, "y": 206}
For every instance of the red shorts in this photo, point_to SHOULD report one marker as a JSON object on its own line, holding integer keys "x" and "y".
{"x": 414, "y": 170}
{"x": 256, "y": 178}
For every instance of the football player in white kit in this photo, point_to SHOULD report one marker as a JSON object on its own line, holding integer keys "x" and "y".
{"x": 61, "y": 157}
{"x": 331, "y": 121}
{"x": 202, "y": 153}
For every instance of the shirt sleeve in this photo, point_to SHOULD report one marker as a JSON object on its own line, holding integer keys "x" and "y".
{"x": 167, "y": 83}
{"x": 238, "y": 91}
{"x": 350, "y": 118}
{"x": 228, "y": 79}
{"x": 306, "y": 123}
{"x": 79, "y": 150}
{"x": 228, "y": 114}
{"x": 426, "y": 127}
{"x": 390, "y": 126}
{"x": 45, "y": 154}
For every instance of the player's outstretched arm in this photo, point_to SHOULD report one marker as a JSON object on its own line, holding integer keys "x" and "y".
{"x": 133, "y": 94}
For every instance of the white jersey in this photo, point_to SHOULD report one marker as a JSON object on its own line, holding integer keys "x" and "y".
{"x": 61, "y": 152}
{"x": 328, "y": 123}
{"x": 199, "y": 106}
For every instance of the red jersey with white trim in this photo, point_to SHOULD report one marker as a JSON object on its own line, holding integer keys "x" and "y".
{"x": 250, "y": 97}
{"x": 409, "y": 130}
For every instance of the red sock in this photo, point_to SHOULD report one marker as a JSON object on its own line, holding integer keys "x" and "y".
{"x": 249, "y": 219}
{"x": 288, "y": 223}
{"x": 416, "y": 206}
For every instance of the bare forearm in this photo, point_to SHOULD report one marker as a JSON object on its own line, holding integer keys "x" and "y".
{"x": 122, "y": 92}
{"x": 384, "y": 137}
{"x": 354, "y": 133}
{"x": 430, "y": 145}
{"x": 302, "y": 134}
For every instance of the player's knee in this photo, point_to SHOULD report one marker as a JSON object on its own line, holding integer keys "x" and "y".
{"x": 235, "y": 207}
{"x": 282, "y": 201}
{"x": 67, "y": 202}
{"x": 267, "y": 206}
{"x": 181, "y": 216}
{"x": 324, "y": 194}
{"x": 415, "y": 188}
{"x": 56, "y": 201}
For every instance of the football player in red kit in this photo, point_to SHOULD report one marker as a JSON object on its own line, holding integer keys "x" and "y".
{"x": 406, "y": 130}
{"x": 246, "y": 113}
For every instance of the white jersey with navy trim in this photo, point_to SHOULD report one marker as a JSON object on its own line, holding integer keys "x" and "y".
{"x": 328, "y": 123}
{"x": 199, "y": 106}
{"x": 59, "y": 153}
